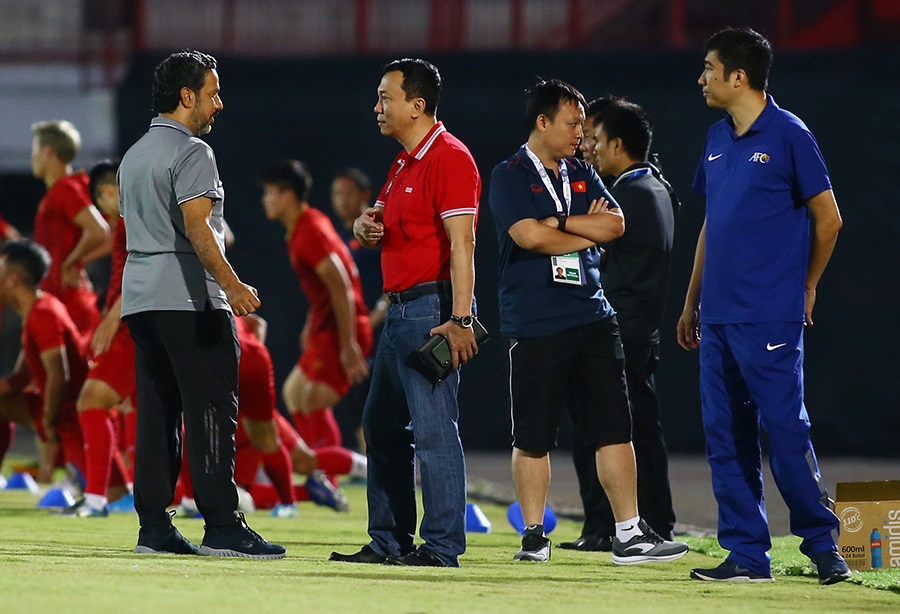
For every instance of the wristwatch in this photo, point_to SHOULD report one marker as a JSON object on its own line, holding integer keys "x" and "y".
{"x": 463, "y": 321}
{"x": 561, "y": 220}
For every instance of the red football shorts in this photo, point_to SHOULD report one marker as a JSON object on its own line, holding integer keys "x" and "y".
{"x": 115, "y": 366}
{"x": 321, "y": 361}
{"x": 256, "y": 384}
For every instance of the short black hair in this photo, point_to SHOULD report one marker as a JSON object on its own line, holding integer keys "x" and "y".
{"x": 627, "y": 121}
{"x": 289, "y": 175}
{"x": 595, "y": 106}
{"x": 102, "y": 173}
{"x": 546, "y": 97}
{"x": 185, "y": 68}
{"x": 421, "y": 79}
{"x": 358, "y": 177}
{"x": 743, "y": 48}
{"x": 32, "y": 260}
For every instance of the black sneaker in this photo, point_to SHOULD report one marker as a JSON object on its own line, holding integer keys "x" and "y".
{"x": 729, "y": 571}
{"x": 646, "y": 547}
{"x": 163, "y": 540}
{"x": 365, "y": 555}
{"x": 535, "y": 545}
{"x": 831, "y": 567}
{"x": 589, "y": 543}
{"x": 238, "y": 541}
{"x": 423, "y": 557}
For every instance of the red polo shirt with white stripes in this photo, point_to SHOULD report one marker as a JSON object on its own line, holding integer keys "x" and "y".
{"x": 437, "y": 180}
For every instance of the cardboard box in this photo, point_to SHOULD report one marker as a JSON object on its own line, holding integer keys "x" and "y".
{"x": 870, "y": 523}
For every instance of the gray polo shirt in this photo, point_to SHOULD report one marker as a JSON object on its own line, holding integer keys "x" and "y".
{"x": 167, "y": 167}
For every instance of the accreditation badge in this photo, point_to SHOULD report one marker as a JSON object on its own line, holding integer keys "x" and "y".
{"x": 566, "y": 269}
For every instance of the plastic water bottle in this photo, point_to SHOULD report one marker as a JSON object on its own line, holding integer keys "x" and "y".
{"x": 875, "y": 538}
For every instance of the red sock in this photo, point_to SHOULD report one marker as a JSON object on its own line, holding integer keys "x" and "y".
{"x": 306, "y": 428}
{"x": 323, "y": 428}
{"x": 184, "y": 478}
{"x": 120, "y": 476}
{"x": 130, "y": 435}
{"x": 335, "y": 460}
{"x": 265, "y": 497}
{"x": 7, "y": 434}
{"x": 246, "y": 464}
{"x": 280, "y": 470}
{"x": 99, "y": 437}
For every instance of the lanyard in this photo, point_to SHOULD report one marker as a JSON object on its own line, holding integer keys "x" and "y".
{"x": 631, "y": 175}
{"x": 563, "y": 175}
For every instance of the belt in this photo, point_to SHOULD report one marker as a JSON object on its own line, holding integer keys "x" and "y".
{"x": 411, "y": 294}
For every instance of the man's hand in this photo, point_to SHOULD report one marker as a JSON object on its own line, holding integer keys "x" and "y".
{"x": 598, "y": 205}
{"x": 367, "y": 229}
{"x": 462, "y": 342}
{"x": 689, "y": 329}
{"x": 243, "y": 299}
{"x": 70, "y": 275}
{"x": 810, "y": 304}
{"x": 354, "y": 363}
{"x": 103, "y": 335}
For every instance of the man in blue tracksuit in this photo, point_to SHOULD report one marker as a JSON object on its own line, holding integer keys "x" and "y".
{"x": 755, "y": 274}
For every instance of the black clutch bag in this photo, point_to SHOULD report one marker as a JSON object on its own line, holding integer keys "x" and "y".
{"x": 435, "y": 352}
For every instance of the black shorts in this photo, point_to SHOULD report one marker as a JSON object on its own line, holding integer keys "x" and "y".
{"x": 584, "y": 366}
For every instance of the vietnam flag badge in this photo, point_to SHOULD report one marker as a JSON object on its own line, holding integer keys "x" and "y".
{"x": 579, "y": 186}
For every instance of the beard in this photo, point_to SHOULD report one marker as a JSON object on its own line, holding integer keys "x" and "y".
{"x": 203, "y": 123}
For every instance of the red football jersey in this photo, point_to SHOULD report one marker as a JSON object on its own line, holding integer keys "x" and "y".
{"x": 54, "y": 225}
{"x": 117, "y": 264}
{"x": 313, "y": 239}
{"x": 437, "y": 180}
{"x": 49, "y": 326}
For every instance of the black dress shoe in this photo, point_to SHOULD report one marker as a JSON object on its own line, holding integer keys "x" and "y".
{"x": 365, "y": 555}
{"x": 589, "y": 543}
{"x": 423, "y": 557}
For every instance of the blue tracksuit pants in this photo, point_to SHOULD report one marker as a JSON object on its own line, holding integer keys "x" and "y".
{"x": 752, "y": 374}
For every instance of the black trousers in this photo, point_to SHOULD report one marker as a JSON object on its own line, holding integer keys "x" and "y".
{"x": 654, "y": 493}
{"x": 187, "y": 369}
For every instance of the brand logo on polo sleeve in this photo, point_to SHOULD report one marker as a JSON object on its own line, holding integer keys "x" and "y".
{"x": 537, "y": 189}
{"x": 762, "y": 158}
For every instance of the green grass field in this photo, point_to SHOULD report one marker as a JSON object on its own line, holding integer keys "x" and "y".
{"x": 55, "y": 564}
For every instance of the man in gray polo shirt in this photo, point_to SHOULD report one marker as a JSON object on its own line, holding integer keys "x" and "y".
{"x": 178, "y": 295}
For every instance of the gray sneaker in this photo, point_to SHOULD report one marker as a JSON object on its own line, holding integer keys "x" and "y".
{"x": 535, "y": 545}
{"x": 646, "y": 547}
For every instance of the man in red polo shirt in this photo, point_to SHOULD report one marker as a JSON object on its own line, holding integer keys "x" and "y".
{"x": 424, "y": 222}
{"x": 67, "y": 224}
{"x": 52, "y": 363}
{"x": 337, "y": 337}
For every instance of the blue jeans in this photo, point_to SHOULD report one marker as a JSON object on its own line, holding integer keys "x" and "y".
{"x": 408, "y": 417}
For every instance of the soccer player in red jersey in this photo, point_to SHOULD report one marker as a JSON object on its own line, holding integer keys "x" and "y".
{"x": 111, "y": 378}
{"x": 337, "y": 336}
{"x": 67, "y": 224}
{"x": 52, "y": 358}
